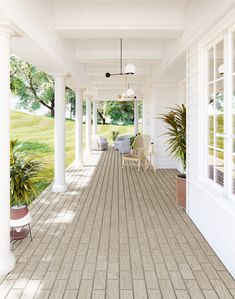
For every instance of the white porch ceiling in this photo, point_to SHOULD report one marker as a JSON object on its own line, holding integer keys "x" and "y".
{"x": 96, "y": 26}
{"x": 82, "y": 37}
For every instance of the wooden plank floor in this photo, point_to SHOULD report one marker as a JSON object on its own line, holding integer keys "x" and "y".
{"x": 114, "y": 234}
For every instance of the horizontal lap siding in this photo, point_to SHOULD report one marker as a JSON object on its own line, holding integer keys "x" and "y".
{"x": 157, "y": 101}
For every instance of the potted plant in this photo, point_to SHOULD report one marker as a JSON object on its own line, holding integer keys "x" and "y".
{"x": 114, "y": 135}
{"x": 22, "y": 172}
{"x": 176, "y": 125}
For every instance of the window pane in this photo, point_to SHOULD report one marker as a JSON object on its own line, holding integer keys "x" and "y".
{"x": 233, "y": 175}
{"x": 219, "y": 60}
{"x": 219, "y": 130}
{"x": 211, "y": 64}
{"x": 211, "y": 100}
{"x": 233, "y": 105}
{"x": 233, "y": 94}
{"x": 219, "y": 142}
{"x": 233, "y": 124}
{"x": 220, "y": 124}
{"x": 233, "y": 51}
{"x": 219, "y": 96}
{"x": 211, "y": 130}
{"x": 219, "y": 168}
{"x": 211, "y": 163}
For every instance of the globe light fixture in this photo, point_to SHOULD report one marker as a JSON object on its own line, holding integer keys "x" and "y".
{"x": 130, "y": 69}
{"x": 130, "y": 92}
{"x": 221, "y": 69}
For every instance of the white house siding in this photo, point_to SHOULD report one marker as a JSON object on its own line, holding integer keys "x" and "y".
{"x": 213, "y": 214}
{"x": 156, "y": 101}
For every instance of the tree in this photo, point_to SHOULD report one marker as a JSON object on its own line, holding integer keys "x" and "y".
{"x": 71, "y": 100}
{"x": 101, "y": 112}
{"x": 121, "y": 112}
{"x": 34, "y": 88}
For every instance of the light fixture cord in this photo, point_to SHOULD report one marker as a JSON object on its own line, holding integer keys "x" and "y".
{"x": 120, "y": 56}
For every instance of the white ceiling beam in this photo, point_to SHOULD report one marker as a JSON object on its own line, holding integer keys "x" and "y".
{"x": 121, "y": 85}
{"x": 172, "y": 32}
{"x": 117, "y": 79}
{"x": 109, "y": 49}
{"x": 43, "y": 44}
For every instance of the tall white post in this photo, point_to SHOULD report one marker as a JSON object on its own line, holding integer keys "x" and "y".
{"x": 88, "y": 123}
{"x": 7, "y": 259}
{"x": 79, "y": 128}
{"x": 94, "y": 117}
{"x": 59, "y": 134}
{"x": 136, "y": 117}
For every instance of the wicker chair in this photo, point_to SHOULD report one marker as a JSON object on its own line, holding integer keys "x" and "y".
{"x": 139, "y": 147}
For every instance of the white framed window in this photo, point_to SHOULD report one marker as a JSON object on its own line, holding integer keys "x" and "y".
{"x": 220, "y": 94}
{"x": 232, "y": 110}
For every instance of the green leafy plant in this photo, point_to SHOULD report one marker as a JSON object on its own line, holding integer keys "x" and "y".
{"x": 115, "y": 135}
{"x": 176, "y": 125}
{"x": 132, "y": 138}
{"x": 23, "y": 170}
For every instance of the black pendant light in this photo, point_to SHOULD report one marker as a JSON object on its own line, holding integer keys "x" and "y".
{"x": 129, "y": 69}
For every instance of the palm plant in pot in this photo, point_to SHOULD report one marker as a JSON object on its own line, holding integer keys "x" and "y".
{"x": 176, "y": 125}
{"x": 22, "y": 172}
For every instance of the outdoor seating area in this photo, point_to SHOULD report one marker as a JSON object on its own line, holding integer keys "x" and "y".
{"x": 114, "y": 234}
{"x": 117, "y": 149}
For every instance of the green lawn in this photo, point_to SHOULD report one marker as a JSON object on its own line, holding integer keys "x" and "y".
{"x": 37, "y": 133}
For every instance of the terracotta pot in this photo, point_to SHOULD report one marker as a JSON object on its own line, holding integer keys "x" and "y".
{"x": 18, "y": 212}
{"x": 20, "y": 217}
{"x": 181, "y": 192}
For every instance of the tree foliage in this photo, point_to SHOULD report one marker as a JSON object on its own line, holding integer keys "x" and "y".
{"x": 117, "y": 112}
{"x": 34, "y": 87}
{"x": 71, "y": 101}
{"x": 122, "y": 112}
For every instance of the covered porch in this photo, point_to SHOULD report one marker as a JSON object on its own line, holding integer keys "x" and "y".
{"x": 100, "y": 231}
{"x": 114, "y": 234}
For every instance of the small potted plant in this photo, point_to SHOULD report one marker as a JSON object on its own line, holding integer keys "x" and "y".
{"x": 22, "y": 172}
{"x": 114, "y": 135}
{"x": 176, "y": 125}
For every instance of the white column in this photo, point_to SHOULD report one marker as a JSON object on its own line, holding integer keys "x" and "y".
{"x": 94, "y": 117}
{"x": 88, "y": 123}
{"x": 59, "y": 134}
{"x": 79, "y": 129}
{"x": 136, "y": 117}
{"x": 7, "y": 259}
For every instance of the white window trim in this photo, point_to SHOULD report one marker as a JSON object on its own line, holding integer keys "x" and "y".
{"x": 207, "y": 43}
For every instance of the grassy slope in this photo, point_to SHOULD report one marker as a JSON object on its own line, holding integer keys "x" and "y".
{"x": 37, "y": 133}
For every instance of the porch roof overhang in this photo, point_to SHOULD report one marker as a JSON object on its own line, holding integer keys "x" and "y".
{"x": 82, "y": 38}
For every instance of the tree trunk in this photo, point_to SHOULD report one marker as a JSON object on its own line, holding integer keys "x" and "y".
{"x": 52, "y": 112}
{"x": 102, "y": 118}
{"x": 53, "y": 107}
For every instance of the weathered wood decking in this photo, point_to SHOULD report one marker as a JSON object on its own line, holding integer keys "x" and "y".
{"x": 115, "y": 234}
